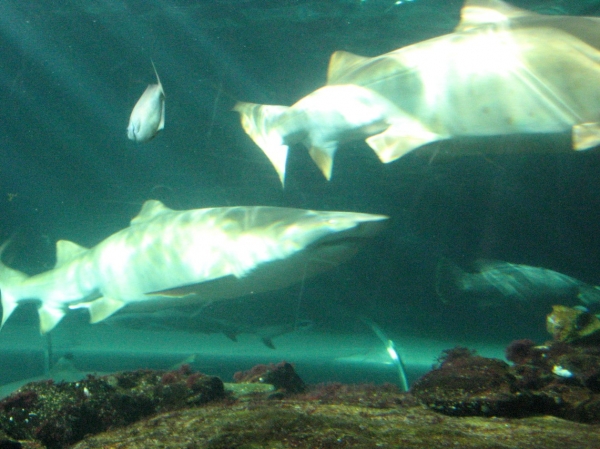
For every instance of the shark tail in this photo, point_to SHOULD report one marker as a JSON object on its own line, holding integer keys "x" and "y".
{"x": 258, "y": 121}
{"x": 10, "y": 280}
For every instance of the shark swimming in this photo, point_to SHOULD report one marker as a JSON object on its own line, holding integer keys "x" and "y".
{"x": 503, "y": 70}
{"x": 196, "y": 321}
{"x": 167, "y": 258}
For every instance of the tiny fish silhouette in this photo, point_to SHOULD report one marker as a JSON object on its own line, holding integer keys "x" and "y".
{"x": 148, "y": 115}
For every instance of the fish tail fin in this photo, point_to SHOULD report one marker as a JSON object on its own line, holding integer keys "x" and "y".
{"x": 446, "y": 275}
{"x": 257, "y": 121}
{"x": 10, "y": 280}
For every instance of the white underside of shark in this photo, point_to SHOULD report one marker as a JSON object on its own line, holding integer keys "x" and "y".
{"x": 167, "y": 258}
{"x": 502, "y": 71}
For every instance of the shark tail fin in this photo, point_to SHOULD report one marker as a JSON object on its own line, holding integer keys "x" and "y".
{"x": 258, "y": 121}
{"x": 9, "y": 281}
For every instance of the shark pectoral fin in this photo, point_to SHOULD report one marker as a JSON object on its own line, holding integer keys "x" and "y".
{"x": 258, "y": 121}
{"x": 323, "y": 156}
{"x": 586, "y": 135}
{"x": 396, "y": 141}
{"x": 100, "y": 308}
{"x": 49, "y": 317}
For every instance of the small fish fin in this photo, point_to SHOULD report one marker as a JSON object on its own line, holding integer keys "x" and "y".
{"x": 397, "y": 140}
{"x": 586, "y": 135}
{"x": 257, "y": 121}
{"x": 150, "y": 210}
{"x": 476, "y": 13}
{"x": 340, "y": 63}
{"x": 268, "y": 342}
{"x": 100, "y": 308}
{"x": 323, "y": 157}
{"x": 66, "y": 251}
{"x": 49, "y": 317}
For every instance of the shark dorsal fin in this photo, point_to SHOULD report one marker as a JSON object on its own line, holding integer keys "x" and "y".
{"x": 340, "y": 63}
{"x": 150, "y": 210}
{"x": 66, "y": 251}
{"x": 476, "y": 13}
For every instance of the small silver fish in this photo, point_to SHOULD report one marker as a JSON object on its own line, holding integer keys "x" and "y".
{"x": 148, "y": 115}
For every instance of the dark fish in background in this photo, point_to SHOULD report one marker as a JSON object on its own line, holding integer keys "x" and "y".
{"x": 198, "y": 322}
{"x": 148, "y": 115}
{"x": 497, "y": 282}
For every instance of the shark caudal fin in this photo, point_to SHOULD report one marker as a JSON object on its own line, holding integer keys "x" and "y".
{"x": 259, "y": 120}
{"x": 9, "y": 280}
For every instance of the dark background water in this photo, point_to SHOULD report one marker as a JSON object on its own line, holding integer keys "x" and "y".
{"x": 70, "y": 72}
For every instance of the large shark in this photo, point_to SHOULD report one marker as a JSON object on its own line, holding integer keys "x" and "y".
{"x": 167, "y": 258}
{"x": 502, "y": 71}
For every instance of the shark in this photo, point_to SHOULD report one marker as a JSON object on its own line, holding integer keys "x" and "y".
{"x": 503, "y": 70}
{"x": 167, "y": 258}
{"x": 196, "y": 321}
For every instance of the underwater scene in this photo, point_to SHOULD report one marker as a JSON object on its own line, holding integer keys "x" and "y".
{"x": 300, "y": 223}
